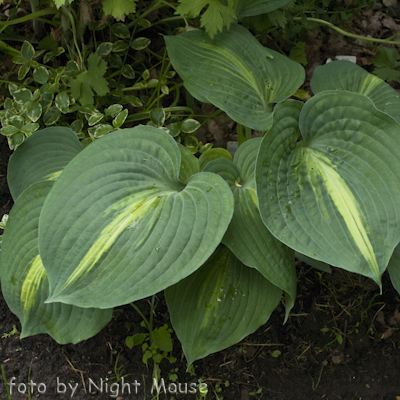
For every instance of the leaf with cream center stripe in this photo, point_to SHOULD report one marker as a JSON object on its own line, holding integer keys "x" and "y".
{"x": 24, "y": 282}
{"x": 120, "y": 225}
{"x": 345, "y": 75}
{"x": 334, "y": 195}
{"x": 234, "y": 72}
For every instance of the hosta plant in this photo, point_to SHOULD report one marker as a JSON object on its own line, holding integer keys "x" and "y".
{"x": 135, "y": 213}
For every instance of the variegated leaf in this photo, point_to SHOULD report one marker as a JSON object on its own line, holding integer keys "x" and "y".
{"x": 247, "y": 237}
{"x": 119, "y": 225}
{"x": 345, "y": 75}
{"x": 24, "y": 282}
{"x": 234, "y": 72}
{"x": 42, "y": 156}
{"x": 334, "y": 195}
{"x": 219, "y": 305}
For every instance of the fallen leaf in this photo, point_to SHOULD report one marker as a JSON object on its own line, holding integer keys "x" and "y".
{"x": 381, "y": 317}
{"x": 389, "y": 332}
{"x": 395, "y": 320}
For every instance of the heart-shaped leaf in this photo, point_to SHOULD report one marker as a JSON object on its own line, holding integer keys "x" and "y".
{"x": 219, "y": 305}
{"x": 42, "y": 156}
{"x": 234, "y": 72}
{"x": 24, "y": 282}
{"x": 334, "y": 195}
{"x": 119, "y": 225}
{"x": 345, "y": 75}
{"x": 247, "y": 237}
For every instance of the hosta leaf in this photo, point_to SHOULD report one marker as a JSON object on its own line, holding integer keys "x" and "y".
{"x": 41, "y": 157}
{"x": 249, "y": 8}
{"x": 219, "y": 305}
{"x": 247, "y": 237}
{"x": 213, "y": 154}
{"x": 119, "y": 226}
{"x": 189, "y": 164}
{"x": 333, "y": 196}
{"x": 25, "y": 285}
{"x": 394, "y": 268}
{"x": 235, "y": 73}
{"x": 345, "y": 75}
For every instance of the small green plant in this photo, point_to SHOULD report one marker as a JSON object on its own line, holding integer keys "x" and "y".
{"x": 118, "y": 371}
{"x": 3, "y": 372}
{"x": 257, "y": 392}
{"x": 14, "y": 331}
{"x": 156, "y": 343}
{"x": 337, "y": 337}
{"x": 387, "y": 63}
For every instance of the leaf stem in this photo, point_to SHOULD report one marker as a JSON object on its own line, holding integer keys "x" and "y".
{"x": 244, "y": 133}
{"x": 142, "y": 316}
{"x": 71, "y": 18}
{"x": 345, "y": 33}
{"x": 28, "y": 17}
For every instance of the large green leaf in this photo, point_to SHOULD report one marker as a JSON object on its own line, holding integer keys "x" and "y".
{"x": 189, "y": 164}
{"x": 394, "y": 268}
{"x": 235, "y": 73}
{"x": 219, "y": 305}
{"x": 334, "y": 195}
{"x": 247, "y": 237}
{"x": 119, "y": 225}
{"x": 42, "y": 156}
{"x": 249, "y": 8}
{"x": 24, "y": 282}
{"x": 345, "y": 75}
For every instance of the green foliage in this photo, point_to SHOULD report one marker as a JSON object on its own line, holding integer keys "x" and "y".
{"x": 155, "y": 343}
{"x": 92, "y": 78}
{"x": 136, "y": 212}
{"x": 119, "y": 8}
{"x": 116, "y": 8}
{"x": 94, "y": 92}
{"x": 387, "y": 63}
{"x": 214, "y": 19}
{"x": 14, "y": 331}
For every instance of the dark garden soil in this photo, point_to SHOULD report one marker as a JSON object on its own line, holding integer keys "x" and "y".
{"x": 342, "y": 339}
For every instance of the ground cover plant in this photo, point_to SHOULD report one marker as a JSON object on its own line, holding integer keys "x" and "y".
{"x": 135, "y": 212}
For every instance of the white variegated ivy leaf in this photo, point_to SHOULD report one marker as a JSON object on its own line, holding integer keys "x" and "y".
{"x": 234, "y": 72}
{"x": 247, "y": 237}
{"x": 42, "y": 156}
{"x": 335, "y": 195}
{"x": 219, "y": 305}
{"x": 119, "y": 225}
{"x": 24, "y": 281}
